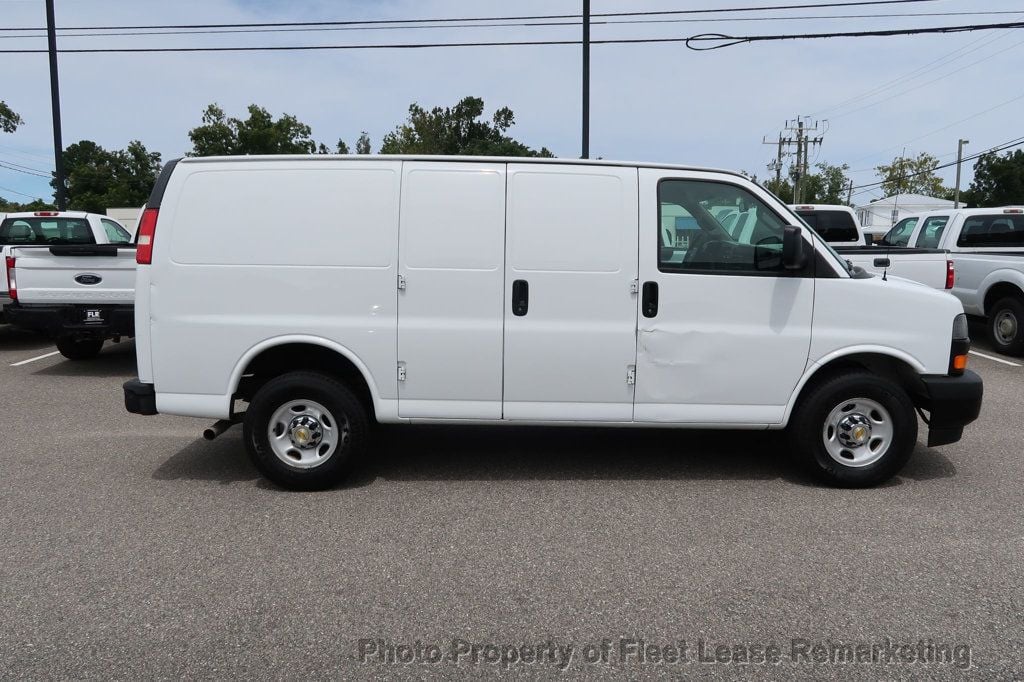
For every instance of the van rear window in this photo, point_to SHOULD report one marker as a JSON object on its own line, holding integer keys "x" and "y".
{"x": 832, "y": 226}
{"x": 40, "y": 231}
{"x": 993, "y": 231}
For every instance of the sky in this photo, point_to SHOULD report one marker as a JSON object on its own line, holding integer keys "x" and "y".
{"x": 872, "y": 98}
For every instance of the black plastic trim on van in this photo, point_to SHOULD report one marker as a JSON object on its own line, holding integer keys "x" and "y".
{"x": 157, "y": 195}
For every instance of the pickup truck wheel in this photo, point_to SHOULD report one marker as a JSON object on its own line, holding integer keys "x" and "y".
{"x": 854, "y": 430}
{"x": 304, "y": 430}
{"x": 1006, "y": 326}
{"x": 79, "y": 349}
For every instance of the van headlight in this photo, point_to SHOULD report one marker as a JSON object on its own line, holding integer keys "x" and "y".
{"x": 960, "y": 346}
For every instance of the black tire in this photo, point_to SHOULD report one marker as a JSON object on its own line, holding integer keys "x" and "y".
{"x": 79, "y": 349}
{"x": 807, "y": 429}
{"x": 1009, "y": 309}
{"x": 346, "y": 413}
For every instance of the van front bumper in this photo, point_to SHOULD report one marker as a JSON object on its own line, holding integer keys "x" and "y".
{"x": 952, "y": 403}
{"x": 139, "y": 398}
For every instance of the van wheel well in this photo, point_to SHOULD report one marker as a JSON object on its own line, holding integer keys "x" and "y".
{"x": 1001, "y": 291}
{"x": 292, "y": 357}
{"x": 875, "y": 363}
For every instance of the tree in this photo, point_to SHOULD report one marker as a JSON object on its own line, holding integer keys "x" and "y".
{"x": 98, "y": 179}
{"x": 998, "y": 180}
{"x": 457, "y": 130}
{"x": 828, "y": 185}
{"x": 9, "y": 120}
{"x": 911, "y": 176}
{"x": 363, "y": 144}
{"x": 34, "y": 205}
{"x": 220, "y": 135}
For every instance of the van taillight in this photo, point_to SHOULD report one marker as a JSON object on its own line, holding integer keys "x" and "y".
{"x": 950, "y": 274}
{"x": 11, "y": 284}
{"x": 144, "y": 242}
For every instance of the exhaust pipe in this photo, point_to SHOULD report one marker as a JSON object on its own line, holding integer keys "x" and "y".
{"x": 217, "y": 428}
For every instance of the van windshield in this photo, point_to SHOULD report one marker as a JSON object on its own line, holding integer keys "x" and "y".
{"x": 40, "y": 231}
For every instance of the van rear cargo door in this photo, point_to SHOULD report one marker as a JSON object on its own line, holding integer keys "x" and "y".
{"x": 451, "y": 260}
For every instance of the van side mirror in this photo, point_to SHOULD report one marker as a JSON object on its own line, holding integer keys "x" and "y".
{"x": 793, "y": 248}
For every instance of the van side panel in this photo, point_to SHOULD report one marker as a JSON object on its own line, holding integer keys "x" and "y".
{"x": 245, "y": 250}
{"x": 451, "y": 255}
{"x": 572, "y": 239}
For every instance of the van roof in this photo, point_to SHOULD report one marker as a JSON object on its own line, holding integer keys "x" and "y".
{"x": 443, "y": 159}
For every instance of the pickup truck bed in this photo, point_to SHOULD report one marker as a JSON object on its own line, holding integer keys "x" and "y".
{"x": 932, "y": 267}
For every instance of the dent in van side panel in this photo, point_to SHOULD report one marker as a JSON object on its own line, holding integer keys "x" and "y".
{"x": 261, "y": 248}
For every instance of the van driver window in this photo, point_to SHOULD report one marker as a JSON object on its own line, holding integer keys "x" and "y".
{"x": 716, "y": 227}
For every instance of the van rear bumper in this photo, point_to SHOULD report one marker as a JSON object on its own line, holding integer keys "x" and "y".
{"x": 139, "y": 398}
{"x": 70, "y": 320}
{"x": 952, "y": 404}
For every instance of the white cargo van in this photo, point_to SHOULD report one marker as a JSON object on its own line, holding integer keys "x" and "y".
{"x": 337, "y": 290}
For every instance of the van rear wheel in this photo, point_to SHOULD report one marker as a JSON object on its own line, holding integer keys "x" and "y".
{"x": 305, "y": 430}
{"x": 854, "y": 430}
{"x": 1006, "y": 326}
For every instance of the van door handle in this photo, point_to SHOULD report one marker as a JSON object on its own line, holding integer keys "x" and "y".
{"x": 520, "y": 297}
{"x": 649, "y": 301}
{"x": 882, "y": 263}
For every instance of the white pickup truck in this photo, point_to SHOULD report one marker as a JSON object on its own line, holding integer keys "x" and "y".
{"x": 987, "y": 246}
{"x": 838, "y": 226}
{"x": 71, "y": 276}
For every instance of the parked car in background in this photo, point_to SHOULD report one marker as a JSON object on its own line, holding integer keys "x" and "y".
{"x": 71, "y": 276}
{"x": 987, "y": 246}
{"x": 524, "y": 291}
{"x": 838, "y": 226}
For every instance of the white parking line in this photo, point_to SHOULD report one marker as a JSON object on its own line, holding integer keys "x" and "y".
{"x": 992, "y": 357}
{"x": 40, "y": 357}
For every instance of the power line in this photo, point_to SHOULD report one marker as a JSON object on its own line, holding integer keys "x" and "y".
{"x": 921, "y": 70}
{"x": 545, "y": 24}
{"x": 372, "y": 22}
{"x": 23, "y": 167}
{"x": 26, "y": 172}
{"x": 14, "y": 191}
{"x": 690, "y": 42}
{"x": 998, "y": 148}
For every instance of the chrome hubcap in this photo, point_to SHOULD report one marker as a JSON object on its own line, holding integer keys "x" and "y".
{"x": 304, "y": 434}
{"x": 858, "y": 432}
{"x": 1005, "y": 326}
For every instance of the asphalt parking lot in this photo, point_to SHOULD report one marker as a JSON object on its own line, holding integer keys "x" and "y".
{"x": 130, "y": 547}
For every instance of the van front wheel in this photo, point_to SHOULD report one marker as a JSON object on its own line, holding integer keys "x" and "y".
{"x": 854, "y": 430}
{"x": 305, "y": 430}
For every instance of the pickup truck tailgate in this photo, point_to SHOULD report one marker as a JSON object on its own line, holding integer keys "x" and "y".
{"x": 927, "y": 266}
{"x": 75, "y": 274}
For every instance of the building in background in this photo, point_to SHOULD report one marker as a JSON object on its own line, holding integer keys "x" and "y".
{"x": 884, "y": 213}
{"x": 129, "y": 217}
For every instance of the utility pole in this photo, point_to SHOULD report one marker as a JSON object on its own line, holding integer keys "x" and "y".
{"x": 586, "y": 79}
{"x": 849, "y": 195}
{"x": 798, "y": 184}
{"x": 959, "y": 160}
{"x": 58, "y": 145}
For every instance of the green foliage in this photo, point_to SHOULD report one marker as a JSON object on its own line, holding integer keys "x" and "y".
{"x": 912, "y": 176}
{"x": 9, "y": 120}
{"x": 34, "y": 205}
{"x": 457, "y": 130}
{"x": 220, "y": 135}
{"x": 998, "y": 180}
{"x": 363, "y": 144}
{"x": 98, "y": 179}
{"x": 829, "y": 185}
